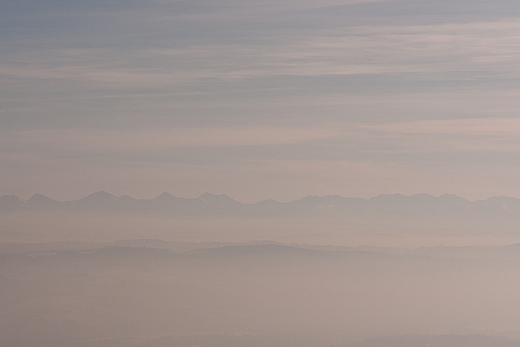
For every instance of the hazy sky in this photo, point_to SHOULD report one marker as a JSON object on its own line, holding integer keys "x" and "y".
{"x": 259, "y": 99}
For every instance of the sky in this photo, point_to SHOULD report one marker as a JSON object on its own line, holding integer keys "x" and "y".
{"x": 259, "y": 99}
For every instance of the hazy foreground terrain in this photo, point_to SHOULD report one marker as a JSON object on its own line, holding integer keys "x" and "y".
{"x": 157, "y": 293}
{"x": 392, "y": 271}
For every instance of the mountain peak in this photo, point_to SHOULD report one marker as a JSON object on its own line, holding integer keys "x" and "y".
{"x": 11, "y": 199}
{"x": 99, "y": 196}
{"x": 101, "y": 193}
{"x": 11, "y": 203}
{"x": 217, "y": 199}
{"x": 209, "y": 195}
{"x": 39, "y": 198}
{"x": 164, "y": 196}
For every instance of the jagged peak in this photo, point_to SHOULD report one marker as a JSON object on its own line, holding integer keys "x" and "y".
{"x": 212, "y": 198}
{"x": 502, "y": 197}
{"x": 386, "y": 196}
{"x": 448, "y": 195}
{"x": 310, "y": 197}
{"x": 268, "y": 201}
{"x": 40, "y": 198}
{"x": 100, "y": 195}
{"x": 209, "y": 195}
{"x": 164, "y": 195}
{"x": 11, "y": 198}
{"x": 423, "y": 195}
{"x": 451, "y": 196}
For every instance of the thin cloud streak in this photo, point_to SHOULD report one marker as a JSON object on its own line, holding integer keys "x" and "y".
{"x": 482, "y": 50}
{"x": 492, "y": 134}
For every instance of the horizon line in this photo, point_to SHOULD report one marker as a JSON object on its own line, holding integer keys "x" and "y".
{"x": 225, "y": 195}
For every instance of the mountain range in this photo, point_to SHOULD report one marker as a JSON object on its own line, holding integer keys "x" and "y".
{"x": 222, "y": 205}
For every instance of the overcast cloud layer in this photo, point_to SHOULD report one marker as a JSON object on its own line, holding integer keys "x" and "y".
{"x": 260, "y": 99}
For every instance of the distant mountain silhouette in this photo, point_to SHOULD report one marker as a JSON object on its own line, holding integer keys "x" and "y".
{"x": 395, "y": 341}
{"x": 11, "y": 203}
{"x": 438, "y": 341}
{"x": 222, "y": 205}
{"x": 41, "y": 202}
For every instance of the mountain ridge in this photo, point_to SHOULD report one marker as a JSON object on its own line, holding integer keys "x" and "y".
{"x": 208, "y": 204}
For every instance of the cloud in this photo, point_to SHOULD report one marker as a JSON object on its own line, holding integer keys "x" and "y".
{"x": 153, "y": 139}
{"x": 235, "y": 86}
{"x": 489, "y": 140}
{"x": 474, "y": 51}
